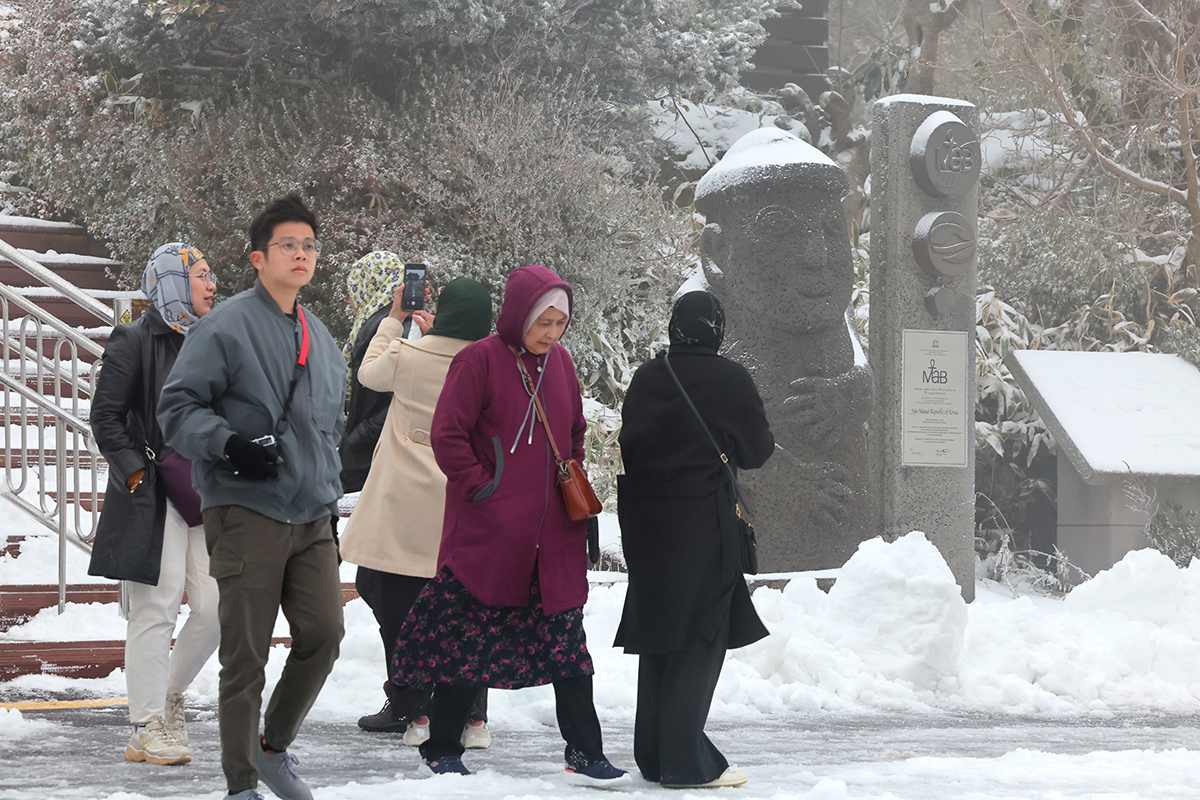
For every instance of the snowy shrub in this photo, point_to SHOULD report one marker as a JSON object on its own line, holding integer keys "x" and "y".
{"x": 1182, "y": 339}
{"x": 1014, "y": 458}
{"x": 475, "y": 175}
{"x": 629, "y": 50}
{"x": 1048, "y": 266}
{"x": 1024, "y": 571}
{"x": 1172, "y": 529}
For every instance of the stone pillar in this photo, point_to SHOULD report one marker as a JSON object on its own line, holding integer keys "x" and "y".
{"x": 925, "y": 163}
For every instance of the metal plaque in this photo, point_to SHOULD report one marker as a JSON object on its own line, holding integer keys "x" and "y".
{"x": 935, "y": 418}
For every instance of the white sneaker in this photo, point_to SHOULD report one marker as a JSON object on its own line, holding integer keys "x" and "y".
{"x": 176, "y": 723}
{"x": 154, "y": 744}
{"x": 730, "y": 777}
{"x": 475, "y": 735}
{"x": 418, "y": 732}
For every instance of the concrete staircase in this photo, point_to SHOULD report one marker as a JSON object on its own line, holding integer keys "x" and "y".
{"x": 72, "y": 254}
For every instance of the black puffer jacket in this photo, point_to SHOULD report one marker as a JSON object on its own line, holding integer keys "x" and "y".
{"x": 137, "y": 361}
{"x": 366, "y": 410}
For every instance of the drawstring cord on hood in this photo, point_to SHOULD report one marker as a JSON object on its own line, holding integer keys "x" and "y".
{"x": 530, "y": 410}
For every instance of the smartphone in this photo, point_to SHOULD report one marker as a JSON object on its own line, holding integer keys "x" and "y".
{"x": 413, "y": 298}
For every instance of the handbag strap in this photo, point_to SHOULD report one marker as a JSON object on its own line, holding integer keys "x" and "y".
{"x": 720, "y": 453}
{"x": 537, "y": 404}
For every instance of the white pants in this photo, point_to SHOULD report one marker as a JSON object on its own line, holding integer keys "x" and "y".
{"x": 152, "y": 668}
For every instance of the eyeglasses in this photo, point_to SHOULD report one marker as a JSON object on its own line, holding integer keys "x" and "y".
{"x": 208, "y": 278}
{"x": 290, "y": 247}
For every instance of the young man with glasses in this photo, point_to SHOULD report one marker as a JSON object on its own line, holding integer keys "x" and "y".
{"x": 256, "y": 402}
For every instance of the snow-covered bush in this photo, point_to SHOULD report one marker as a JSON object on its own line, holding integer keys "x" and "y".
{"x": 475, "y": 175}
{"x": 1049, "y": 266}
{"x": 629, "y": 50}
{"x": 1014, "y": 456}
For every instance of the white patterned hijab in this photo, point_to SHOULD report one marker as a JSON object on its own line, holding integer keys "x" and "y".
{"x": 166, "y": 282}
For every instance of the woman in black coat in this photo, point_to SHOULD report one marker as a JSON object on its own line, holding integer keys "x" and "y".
{"x": 150, "y": 532}
{"x": 687, "y": 602}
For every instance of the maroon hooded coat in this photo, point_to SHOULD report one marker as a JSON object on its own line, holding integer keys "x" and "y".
{"x": 504, "y": 515}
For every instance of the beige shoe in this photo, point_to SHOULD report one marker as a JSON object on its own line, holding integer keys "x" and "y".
{"x": 155, "y": 745}
{"x": 418, "y": 732}
{"x": 176, "y": 723}
{"x": 475, "y": 735}
{"x": 730, "y": 777}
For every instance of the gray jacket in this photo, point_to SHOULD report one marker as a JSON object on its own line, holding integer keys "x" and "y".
{"x": 232, "y": 376}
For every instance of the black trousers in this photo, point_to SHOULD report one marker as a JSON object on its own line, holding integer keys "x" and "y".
{"x": 577, "y": 721}
{"x": 675, "y": 692}
{"x": 390, "y": 596}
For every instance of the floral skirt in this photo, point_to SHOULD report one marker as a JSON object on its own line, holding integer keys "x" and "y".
{"x": 450, "y": 637}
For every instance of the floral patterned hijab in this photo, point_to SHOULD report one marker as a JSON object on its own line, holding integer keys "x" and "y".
{"x": 371, "y": 284}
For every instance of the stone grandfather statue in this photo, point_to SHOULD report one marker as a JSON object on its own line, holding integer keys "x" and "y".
{"x": 776, "y": 252}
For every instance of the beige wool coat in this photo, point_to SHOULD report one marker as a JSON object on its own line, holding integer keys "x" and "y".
{"x": 396, "y": 526}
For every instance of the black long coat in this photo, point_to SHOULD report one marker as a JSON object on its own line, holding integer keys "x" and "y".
{"x": 675, "y": 502}
{"x": 366, "y": 410}
{"x": 137, "y": 360}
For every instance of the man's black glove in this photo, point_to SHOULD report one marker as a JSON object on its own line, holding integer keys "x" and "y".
{"x": 251, "y": 461}
{"x": 593, "y": 541}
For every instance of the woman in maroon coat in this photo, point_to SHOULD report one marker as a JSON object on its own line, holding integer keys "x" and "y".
{"x": 505, "y": 609}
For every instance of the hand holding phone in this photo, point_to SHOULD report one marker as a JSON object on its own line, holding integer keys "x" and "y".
{"x": 413, "y": 296}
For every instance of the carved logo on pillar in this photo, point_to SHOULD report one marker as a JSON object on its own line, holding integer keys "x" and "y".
{"x": 944, "y": 244}
{"x": 944, "y": 156}
{"x": 941, "y": 301}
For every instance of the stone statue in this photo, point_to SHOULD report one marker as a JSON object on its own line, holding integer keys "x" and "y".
{"x": 776, "y": 253}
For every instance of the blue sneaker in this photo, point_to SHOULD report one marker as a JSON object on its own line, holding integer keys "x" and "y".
{"x": 446, "y": 765}
{"x": 601, "y": 774}
{"x": 276, "y": 771}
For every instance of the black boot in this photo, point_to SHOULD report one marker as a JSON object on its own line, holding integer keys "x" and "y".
{"x": 389, "y": 719}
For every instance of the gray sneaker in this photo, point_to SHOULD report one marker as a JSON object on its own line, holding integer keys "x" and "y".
{"x": 275, "y": 770}
{"x": 245, "y": 794}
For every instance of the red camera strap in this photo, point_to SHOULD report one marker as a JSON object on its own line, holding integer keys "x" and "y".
{"x": 302, "y": 358}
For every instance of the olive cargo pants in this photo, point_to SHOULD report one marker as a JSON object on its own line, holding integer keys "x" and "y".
{"x": 263, "y": 566}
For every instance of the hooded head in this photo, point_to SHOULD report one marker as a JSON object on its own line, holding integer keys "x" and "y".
{"x": 370, "y": 284}
{"x": 167, "y": 284}
{"x": 697, "y": 319}
{"x": 525, "y": 290}
{"x": 464, "y": 311}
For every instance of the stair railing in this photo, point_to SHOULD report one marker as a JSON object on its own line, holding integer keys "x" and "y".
{"x": 47, "y": 391}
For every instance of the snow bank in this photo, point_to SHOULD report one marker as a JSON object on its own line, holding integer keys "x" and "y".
{"x": 893, "y": 634}
{"x": 14, "y": 725}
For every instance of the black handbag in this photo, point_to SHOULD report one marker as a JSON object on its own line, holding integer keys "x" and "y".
{"x": 747, "y": 543}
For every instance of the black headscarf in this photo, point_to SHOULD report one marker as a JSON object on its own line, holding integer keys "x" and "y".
{"x": 697, "y": 319}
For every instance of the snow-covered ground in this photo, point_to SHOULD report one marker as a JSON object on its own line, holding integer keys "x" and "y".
{"x": 892, "y": 640}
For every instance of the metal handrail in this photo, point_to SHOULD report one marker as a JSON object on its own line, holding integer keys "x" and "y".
{"x": 68, "y": 290}
{"x": 42, "y": 349}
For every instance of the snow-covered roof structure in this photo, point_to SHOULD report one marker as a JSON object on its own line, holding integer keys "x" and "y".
{"x": 1116, "y": 414}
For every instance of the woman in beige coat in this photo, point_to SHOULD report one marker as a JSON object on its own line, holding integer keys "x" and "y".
{"x": 394, "y": 532}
